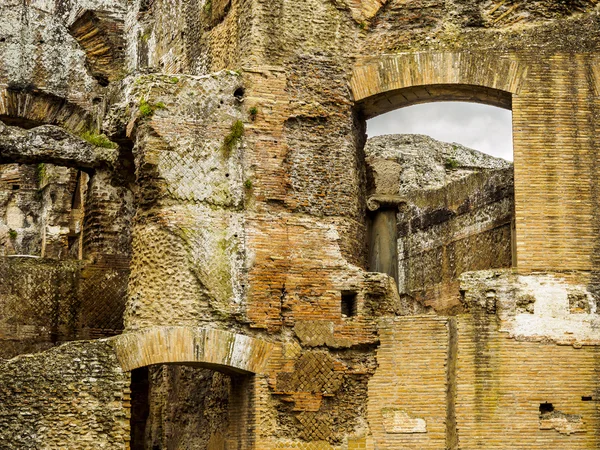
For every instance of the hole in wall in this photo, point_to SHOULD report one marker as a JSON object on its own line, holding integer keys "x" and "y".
{"x": 586, "y": 398}
{"x": 239, "y": 93}
{"x": 102, "y": 80}
{"x": 16, "y": 187}
{"x": 20, "y": 122}
{"x": 349, "y": 303}
{"x": 546, "y": 408}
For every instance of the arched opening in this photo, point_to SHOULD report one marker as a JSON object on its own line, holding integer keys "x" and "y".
{"x": 189, "y": 406}
{"x": 199, "y": 371}
{"x": 438, "y": 209}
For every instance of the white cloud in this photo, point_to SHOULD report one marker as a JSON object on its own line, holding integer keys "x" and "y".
{"x": 481, "y": 127}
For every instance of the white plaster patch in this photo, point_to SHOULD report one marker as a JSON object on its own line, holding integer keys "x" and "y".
{"x": 398, "y": 421}
{"x": 563, "y": 424}
{"x": 552, "y": 317}
{"x": 14, "y": 217}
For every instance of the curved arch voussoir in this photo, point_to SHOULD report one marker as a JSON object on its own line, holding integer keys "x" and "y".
{"x": 187, "y": 345}
{"x": 386, "y": 75}
{"x": 38, "y": 108}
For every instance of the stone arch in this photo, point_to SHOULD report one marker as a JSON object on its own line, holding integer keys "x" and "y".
{"x": 30, "y": 107}
{"x": 387, "y": 82}
{"x": 211, "y": 348}
{"x": 382, "y": 84}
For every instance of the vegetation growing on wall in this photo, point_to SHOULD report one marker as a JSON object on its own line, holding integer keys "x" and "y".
{"x": 233, "y": 138}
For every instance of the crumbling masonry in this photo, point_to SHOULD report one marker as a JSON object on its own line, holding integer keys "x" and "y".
{"x": 200, "y": 248}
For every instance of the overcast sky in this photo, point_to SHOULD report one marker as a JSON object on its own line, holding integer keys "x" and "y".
{"x": 481, "y": 127}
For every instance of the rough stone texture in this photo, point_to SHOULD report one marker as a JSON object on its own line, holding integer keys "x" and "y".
{"x": 51, "y": 144}
{"x": 72, "y": 396}
{"x": 544, "y": 307}
{"x": 188, "y": 408}
{"x": 406, "y": 409}
{"x": 46, "y": 302}
{"x": 407, "y": 165}
{"x": 503, "y": 383}
{"x": 239, "y": 201}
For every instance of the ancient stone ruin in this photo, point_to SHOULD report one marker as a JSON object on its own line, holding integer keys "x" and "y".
{"x": 200, "y": 249}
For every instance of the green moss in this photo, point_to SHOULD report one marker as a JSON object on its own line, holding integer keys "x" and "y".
{"x": 40, "y": 172}
{"x": 99, "y": 140}
{"x": 253, "y": 112}
{"x": 174, "y": 80}
{"x": 233, "y": 138}
{"x": 451, "y": 163}
{"x": 208, "y": 7}
{"x": 147, "y": 109}
{"x": 12, "y": 233}
{"x": 248, "y": 184}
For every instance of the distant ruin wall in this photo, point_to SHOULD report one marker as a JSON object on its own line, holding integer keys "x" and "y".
{"x": 463, "y": 227}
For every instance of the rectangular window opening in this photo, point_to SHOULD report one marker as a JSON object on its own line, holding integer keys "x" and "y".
{"x": 349, "y": 307}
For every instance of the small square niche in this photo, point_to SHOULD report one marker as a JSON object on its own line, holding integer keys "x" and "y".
{"x": 349, "y": 307}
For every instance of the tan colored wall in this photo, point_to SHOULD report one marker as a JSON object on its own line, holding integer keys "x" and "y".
{"x": 502, "y": 382}
{"x": 72, "y": 396}
{"x": 555, "y": 159}
{"x": 407, "y": 404}
{"x": 475, "y": 384}
{"x": 45, "y": 302}
{"x": 272, "y": 257}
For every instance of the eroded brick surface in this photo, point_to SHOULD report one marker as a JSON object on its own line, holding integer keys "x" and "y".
{"x": 225, "y": 171}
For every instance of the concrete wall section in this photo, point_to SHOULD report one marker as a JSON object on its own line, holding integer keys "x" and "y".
{"x": 73, "y": 396}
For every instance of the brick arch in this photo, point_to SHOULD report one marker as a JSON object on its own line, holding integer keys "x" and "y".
{"x": 31, "y": 107}
{"x": 382, "y": 84}
{"x": 211, "y": 348}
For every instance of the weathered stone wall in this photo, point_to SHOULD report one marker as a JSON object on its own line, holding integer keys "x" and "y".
{"x": 408, "y": 395}
{"x": 46, "y": 302}
{"x": 21, "y": 205}
{"x": 506, "y": 384}
{"x": 547, "y": 71}
{"x": 211, "y": 35}
{"x": 251, "y": 193}
{"x": 72, "y": 396}
{"x": 187, "y": 408}
{"x": 517, "y": 371}
{"x": 108, "y": 213}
